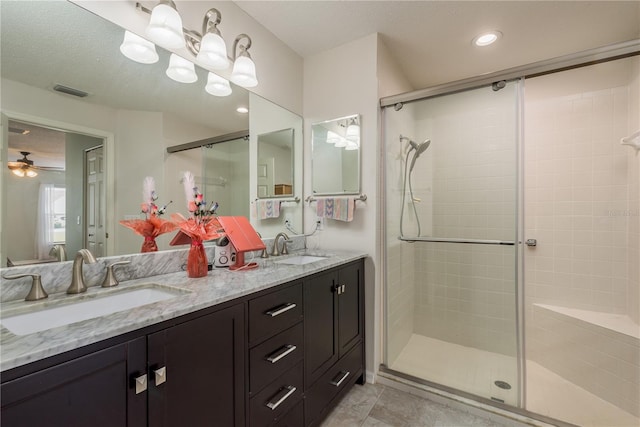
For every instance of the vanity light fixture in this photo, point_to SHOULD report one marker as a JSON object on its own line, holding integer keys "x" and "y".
{"x": 332, "y": 137}
{"x": 485, "y": 39}
{"x": 217, "y": 85}
{"x": 244, "y": 69}
{"x": 165, "y": 25}
{"x": 353, "y": 132}
{"x": 138, "y": 49}
{"x": 212, "y": 50}
{"x": 165, "y": 28}
{"x": 242, "y": 110}
{"x": 181, "y": 70}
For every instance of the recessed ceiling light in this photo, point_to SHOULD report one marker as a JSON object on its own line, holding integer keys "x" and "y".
{"x": 488, "y": 38}
{"x": 243, "y": 110}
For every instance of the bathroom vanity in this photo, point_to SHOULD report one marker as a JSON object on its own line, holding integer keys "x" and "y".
{"x": 279, "y": 345}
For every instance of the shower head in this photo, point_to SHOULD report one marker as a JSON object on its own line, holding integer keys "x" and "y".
{"x": 420, "y": 148}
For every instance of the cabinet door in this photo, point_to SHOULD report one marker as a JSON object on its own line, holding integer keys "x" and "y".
{"x": 94, "y": 390}
{"x": 320, "y": 326}
{"x": 196, "y": 372}
{"x": 350, "y": 315}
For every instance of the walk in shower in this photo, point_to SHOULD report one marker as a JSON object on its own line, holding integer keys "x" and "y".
{"x": 512, "y": 250}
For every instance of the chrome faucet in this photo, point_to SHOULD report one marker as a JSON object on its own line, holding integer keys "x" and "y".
{"x": 276, "y": 251}
{"x": 77, "y": 280}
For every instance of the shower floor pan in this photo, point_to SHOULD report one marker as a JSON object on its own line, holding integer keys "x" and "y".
{"x": 474, "y": 371}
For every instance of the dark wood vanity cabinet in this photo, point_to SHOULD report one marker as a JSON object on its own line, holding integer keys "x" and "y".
{"x": 280, "y": 357}
{"x": 91, "y": 390}
{"x": 334, "y": 337}
{"x": 194, "y": 376}
{"x": 196, "y": 372}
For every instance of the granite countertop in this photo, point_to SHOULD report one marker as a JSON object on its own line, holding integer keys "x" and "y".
{"x": 220, "y": 285}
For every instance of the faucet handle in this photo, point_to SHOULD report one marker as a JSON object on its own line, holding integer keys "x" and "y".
{"x": 110, "y": 279}
{"x": 37, "y": 292}
{"x": 285, "y": 250}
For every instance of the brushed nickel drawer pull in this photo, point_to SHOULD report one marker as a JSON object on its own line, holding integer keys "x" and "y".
{"x": 284, "y": 351}
{"x": 338, "y": 382}
{"x": 281, "y": 309}
{"x": 141, "y": 383}
{"x": 161, "y": 375}
{"x": 281, "y": 397}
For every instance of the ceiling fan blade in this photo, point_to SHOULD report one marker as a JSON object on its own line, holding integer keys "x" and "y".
{"x": 48, "y": 168}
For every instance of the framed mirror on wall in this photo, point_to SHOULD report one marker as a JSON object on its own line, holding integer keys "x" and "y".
{"x": 335, "y": 158}
{"x": 135, "y": 107}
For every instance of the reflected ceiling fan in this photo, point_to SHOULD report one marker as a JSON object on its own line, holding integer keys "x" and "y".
{"x": 25, "y": 167}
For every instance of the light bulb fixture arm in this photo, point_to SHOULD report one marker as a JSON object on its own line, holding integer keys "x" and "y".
{"x": 243, "y": 48}
{"x": 210, "y": 23}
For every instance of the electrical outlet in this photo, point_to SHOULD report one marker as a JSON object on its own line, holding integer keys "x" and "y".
{"x": 319, "y": 223}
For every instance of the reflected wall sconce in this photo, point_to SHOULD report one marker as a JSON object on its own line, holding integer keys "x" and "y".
{"x": 165, "y": 29}
{"x": 351, "y": 138}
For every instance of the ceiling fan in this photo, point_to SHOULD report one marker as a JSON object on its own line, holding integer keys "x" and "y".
{"x": 25, "y": 167}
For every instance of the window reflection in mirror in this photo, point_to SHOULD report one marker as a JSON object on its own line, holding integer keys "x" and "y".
{"x": 336, "y": 156}
{"x": 275, "y": 164}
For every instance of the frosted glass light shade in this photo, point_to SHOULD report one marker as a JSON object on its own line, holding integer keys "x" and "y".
{"x": 138, "y": 49}
{"x": 353, "y": 132}
{"x": 213, "y": 51}
{"x": 217, "y": 85}
{"x": 244, "y": 72}
{"x": 341, "y": 143}
{"x": 352, "y": 145}
{"x": 332, "y": 137}
{"x": 165, "y": 27}
{"x": 181, "y": 70}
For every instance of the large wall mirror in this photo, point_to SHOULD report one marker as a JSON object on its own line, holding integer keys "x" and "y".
{"x": 336, "y": 156}
{"x": 133, "y": 110}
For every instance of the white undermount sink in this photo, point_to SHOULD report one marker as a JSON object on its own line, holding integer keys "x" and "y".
{"x": 300, "y": 260}
{"x": 87, "y": 307}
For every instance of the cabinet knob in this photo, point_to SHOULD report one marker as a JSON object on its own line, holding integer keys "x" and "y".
{"x": 141, "y": 383}
{"x": 160, "y": 375}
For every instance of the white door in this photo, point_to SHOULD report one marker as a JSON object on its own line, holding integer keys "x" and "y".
{"x": 266, "y": 182}
{"x": 94, "y": 201}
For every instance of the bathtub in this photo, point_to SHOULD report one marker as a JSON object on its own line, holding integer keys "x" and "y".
{"x": 599, "y": 352}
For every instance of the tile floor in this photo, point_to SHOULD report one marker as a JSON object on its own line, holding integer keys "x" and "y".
{"x": 380, "y": 406}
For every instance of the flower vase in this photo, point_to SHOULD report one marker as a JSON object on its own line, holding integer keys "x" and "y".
{"x": 149, "y": 245}
{"x": 197, "y": 265}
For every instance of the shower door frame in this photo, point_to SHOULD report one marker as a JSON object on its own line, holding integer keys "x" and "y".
{"x": 576, "y": 60}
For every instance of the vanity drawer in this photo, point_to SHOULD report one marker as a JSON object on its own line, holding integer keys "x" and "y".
{"x": 274, "y": 312}
{"x": 274, "y": 357}
{"x": 337, "y": 378}
{"x": 293, "y": 418}
{"x": 277, "y": 398}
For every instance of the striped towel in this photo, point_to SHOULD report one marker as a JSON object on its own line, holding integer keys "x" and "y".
{"x": 267, "y": 209}
{"x": 338, "y": 208}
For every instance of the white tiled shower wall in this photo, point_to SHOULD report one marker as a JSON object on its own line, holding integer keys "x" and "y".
{"x": 465, "y": 187}
{"x": 581, "y": 204}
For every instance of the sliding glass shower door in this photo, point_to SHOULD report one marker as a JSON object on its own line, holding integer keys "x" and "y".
{"x": 451, "y": 172}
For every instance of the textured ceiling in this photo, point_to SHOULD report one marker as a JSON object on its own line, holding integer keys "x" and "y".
{"x": 431, "y": 40}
